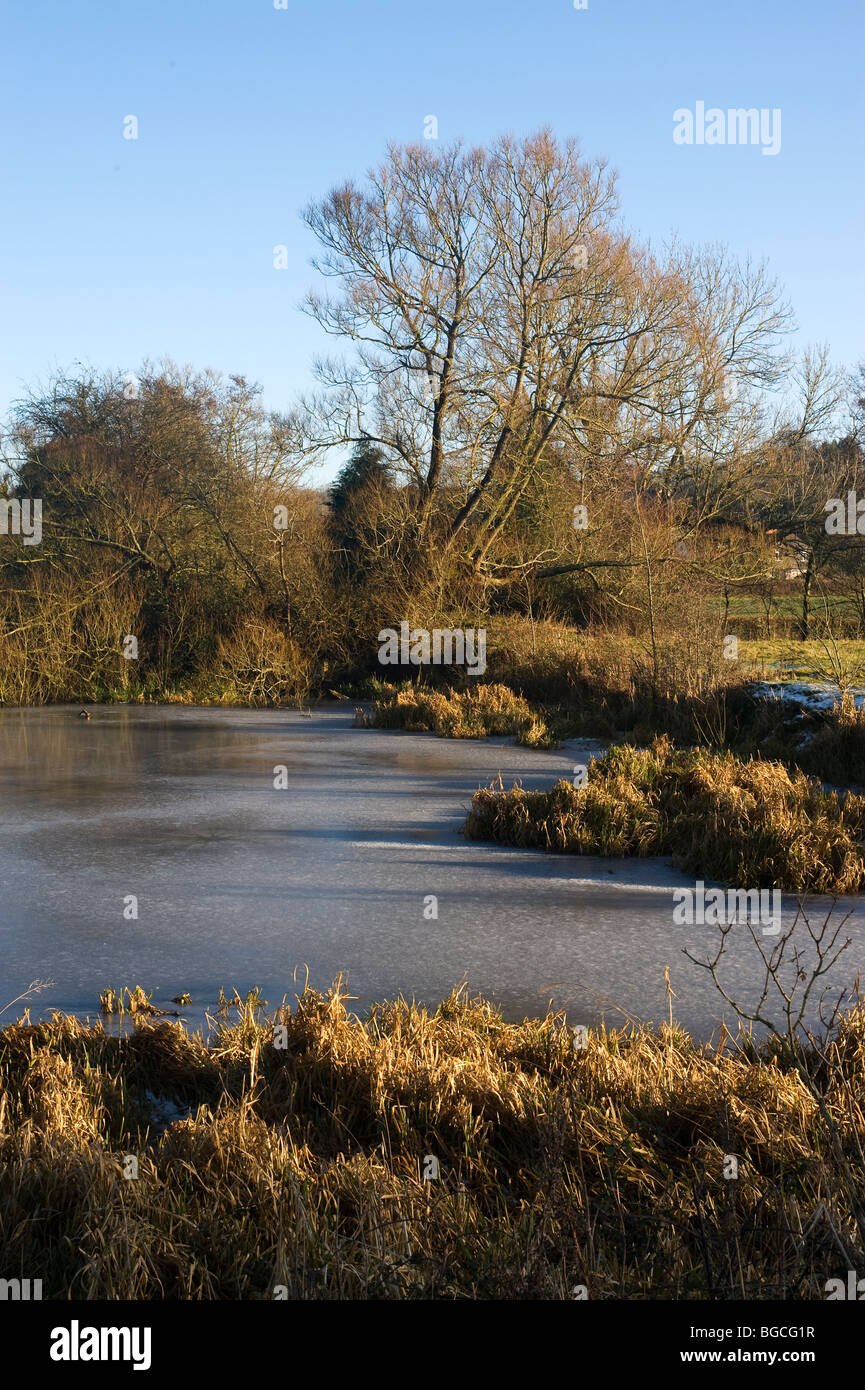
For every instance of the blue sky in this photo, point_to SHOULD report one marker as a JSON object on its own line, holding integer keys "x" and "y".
{"x": 113, "y": 250}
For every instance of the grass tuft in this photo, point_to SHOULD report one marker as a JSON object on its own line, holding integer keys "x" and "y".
{"x": 750, "y": 823}
{"x": 480, "y": 712}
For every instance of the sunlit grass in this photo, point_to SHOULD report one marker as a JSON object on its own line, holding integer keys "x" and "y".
{"x": 479, "y": 712}
{"x": 781, "y": 659}
{"x": 302, "y": 1165}
{"x": 749, "y": 823}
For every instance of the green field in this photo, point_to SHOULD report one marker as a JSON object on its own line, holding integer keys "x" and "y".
{"x": 781, "y": 658}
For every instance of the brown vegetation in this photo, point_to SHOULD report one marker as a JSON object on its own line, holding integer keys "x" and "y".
{"x": 751, "y": 824}
{"x": 485, "y": 711}
{"x": 303, "y": 1165}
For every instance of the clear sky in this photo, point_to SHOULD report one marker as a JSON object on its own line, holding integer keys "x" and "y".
{"x": 113, "y": 250}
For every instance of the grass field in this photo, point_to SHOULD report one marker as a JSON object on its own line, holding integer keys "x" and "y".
{"x": 784, "y": 660}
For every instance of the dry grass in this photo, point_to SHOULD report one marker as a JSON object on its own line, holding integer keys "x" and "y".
{"x": 837, "y": 751}
{"x": 135, "y": 1001}
{"x": 552, "y": 683}
{"x": 478, "y": 712}
{"x": 303, "y": 1165}
{"x": 549, "y": 682}
{"x": 749, "y": 823}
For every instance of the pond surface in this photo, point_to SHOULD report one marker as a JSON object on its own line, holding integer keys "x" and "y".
{"x": 239, "y": 883}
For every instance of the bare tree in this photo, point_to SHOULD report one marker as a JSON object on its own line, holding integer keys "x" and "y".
{"x": 498, "y": 309}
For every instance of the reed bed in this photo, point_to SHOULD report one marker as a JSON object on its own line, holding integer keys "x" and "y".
{"x": 480, "y": 712}
{"x": 836, "y": 752}
{"x": 299, "y": 1170}
{"x": 751, "y": 823}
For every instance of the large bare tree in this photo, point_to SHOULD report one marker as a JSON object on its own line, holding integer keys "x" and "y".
{"x": 498, "y": 310}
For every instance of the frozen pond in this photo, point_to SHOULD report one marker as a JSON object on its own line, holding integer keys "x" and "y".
{"x": 238, "y": 882}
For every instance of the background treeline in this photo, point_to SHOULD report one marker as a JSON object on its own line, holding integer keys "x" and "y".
{"x": 514, "y": 354}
